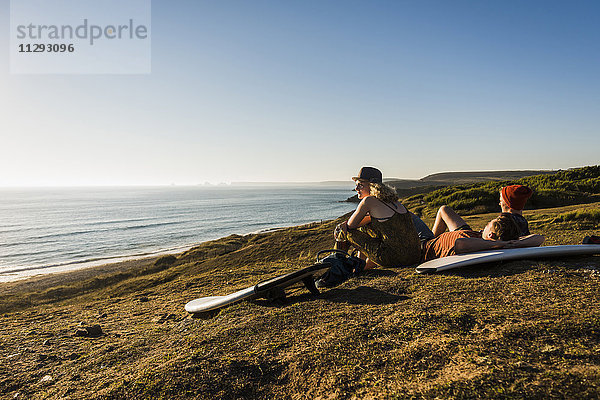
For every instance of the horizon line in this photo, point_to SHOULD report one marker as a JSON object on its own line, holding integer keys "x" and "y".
{"x": 259, "y": 183}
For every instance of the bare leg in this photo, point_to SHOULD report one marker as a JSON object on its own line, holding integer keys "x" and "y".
{"x": 370, "y": 264}
{"x": 446, "y": 218}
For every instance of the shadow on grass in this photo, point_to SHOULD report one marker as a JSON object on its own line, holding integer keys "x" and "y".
{"x": 376, "y": 273}
{"x": 359, "y": 295}
{"x": 492, "y": 270}
{"x": 517, "y": 267}
{"x": 362, "y": 295}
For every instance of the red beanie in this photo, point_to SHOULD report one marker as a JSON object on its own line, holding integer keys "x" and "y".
{"x": 515, "y": 196}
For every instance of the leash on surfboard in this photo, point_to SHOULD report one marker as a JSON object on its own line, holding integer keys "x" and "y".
{"x": 343, "y": 267}
{"x": 340, "y": 266}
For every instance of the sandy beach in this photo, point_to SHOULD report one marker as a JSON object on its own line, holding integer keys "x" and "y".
{"x": 47, "y": 281}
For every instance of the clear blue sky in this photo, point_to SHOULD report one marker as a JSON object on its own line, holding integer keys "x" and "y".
{"x": 312, "y": 90}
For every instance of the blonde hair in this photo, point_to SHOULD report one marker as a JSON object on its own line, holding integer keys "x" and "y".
{"x": 383, "y": 192}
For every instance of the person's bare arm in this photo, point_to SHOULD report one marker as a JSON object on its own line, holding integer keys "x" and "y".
{"x": 358, "y": 217}
{"x": 526, "y": 241}
{"x": 469, "y": 245}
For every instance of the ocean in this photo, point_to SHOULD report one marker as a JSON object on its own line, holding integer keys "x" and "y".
{"x": 46, "y": 230}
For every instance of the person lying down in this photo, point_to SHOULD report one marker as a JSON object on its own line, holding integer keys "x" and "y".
{"x": 452, "y": 235}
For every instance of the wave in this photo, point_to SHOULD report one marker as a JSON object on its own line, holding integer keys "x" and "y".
{"x": 125, "y": 228}
{"x": 90, "y": 223}
{"x": 30, "y": 253}
{"x": 28, "y": 243}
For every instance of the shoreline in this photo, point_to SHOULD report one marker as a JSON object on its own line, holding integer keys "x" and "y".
{"x": 102, "y": 235}
{"x": 24, "y": 273}
{"x": 28, "y": 273}
{"x": 52, "y": 278}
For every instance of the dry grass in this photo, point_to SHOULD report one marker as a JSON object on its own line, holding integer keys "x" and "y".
{"x": 522, "y": 329}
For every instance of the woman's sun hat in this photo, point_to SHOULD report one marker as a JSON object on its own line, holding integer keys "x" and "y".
{"x": 370, "y": 174}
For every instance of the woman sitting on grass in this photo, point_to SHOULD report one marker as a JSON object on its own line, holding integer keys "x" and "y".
{"x": 381, "y": 228}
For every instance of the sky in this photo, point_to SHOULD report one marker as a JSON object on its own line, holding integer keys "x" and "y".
{"x": 305, "y": 91}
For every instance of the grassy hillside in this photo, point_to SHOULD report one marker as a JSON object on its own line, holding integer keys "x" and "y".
{"x": 576, "y": 186}
{"x": 409, "y": 187}
{"x": 454, "y": 178}
{"x": 522, "y": 329}
{"x": 430, "y": 183}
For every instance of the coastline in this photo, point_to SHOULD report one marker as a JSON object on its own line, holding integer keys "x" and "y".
{"x": 102, "y": 265}
{"x": 105, "y": 232}
{"x": 49, "y": 280}
{"x": 32, "y": 272}
{"x": 54, "y": 276}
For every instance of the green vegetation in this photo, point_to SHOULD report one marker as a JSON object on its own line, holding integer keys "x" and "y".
{"x": 576, "y": 186}
{"x": 585, "y": 215}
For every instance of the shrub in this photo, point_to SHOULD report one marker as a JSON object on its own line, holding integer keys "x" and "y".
{"x": 576, "y": 186}
{"x": 580, "y": 215}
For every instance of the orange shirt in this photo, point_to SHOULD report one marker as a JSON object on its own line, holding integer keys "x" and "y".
{"x": 443, "y": 245}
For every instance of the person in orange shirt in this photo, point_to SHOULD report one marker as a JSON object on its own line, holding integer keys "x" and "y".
{"x": 452, "y": 235}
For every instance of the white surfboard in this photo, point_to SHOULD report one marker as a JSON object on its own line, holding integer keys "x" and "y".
{"x": 209, "y": 303}
{"x": 263, "y": 289}
{"x": 462, "y": 260}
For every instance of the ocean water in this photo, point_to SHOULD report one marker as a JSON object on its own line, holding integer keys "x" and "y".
{"x": 58, "y": 229}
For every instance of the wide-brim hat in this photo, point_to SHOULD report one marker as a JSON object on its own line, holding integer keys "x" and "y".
{"x": 370, "y": 174}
